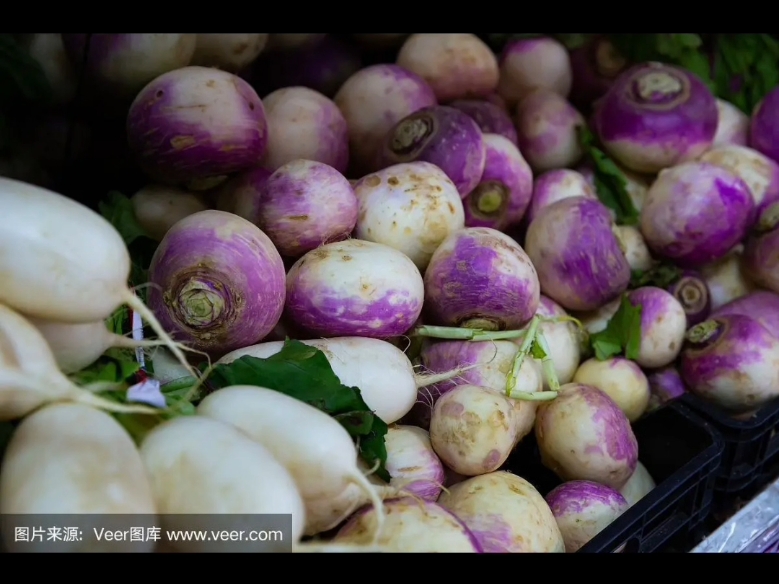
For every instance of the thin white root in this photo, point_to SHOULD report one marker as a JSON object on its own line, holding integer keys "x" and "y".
{"x": 91, "y": 399}
{"x": 127, "y": 343}
{"x": 375, "y": 500}
{"x": 425, "y": 379}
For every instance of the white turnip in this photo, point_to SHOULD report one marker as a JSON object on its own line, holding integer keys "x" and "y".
{"x": 634, "y": 247}
{"x": 622, "y": 380}
{"x": 158, "y": 208}
{"x": 639, "y": 485}
{"x": 726, "y": 278}
{"x": 529, "y": 64}
{"x": 732, "y": 125}
{"x": 229, "y": 51}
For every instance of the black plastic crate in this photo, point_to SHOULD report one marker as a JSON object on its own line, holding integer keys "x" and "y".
{"x": 682, "y": 453}
{"x": 751, "y": 446}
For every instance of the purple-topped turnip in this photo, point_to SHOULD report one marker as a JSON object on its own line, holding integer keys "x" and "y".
{"x": 49, "y": 51}
{"x": 595, "y": 66}
{"x": 764, "y": 126}
{"x": 547, "y": 130}
{"x": 305, "y": 204}
{"x": 410, "y": 207}
{"x": 372, "y": 101}
{"x": 228, "y": 51}
{"x": 456, "y": 65}
{"x": 763, "y": 306}
{"x": 663, "y": 324}
{"x": 241, "y": 194}
{"x": 412, "y": 463}
{"x": 761, "y": 251}
{"x": 158, "y": 208}
{"x": 491, "y": 118}
{"x": 621, "y": 379}
{"x": 195, "y": 126}
{"x": 732, "y": 125}
{"x": 505, "y": 189}
{"x": 218, "y": 282}
{"x": 555, "y": 185}
{"x": 634, "y": 247}
{"x": 695, "y": 213}
{"x": 579, "y": 261}
{"x": 583, "y": 509}
{"x": 655, "y": 116}
{"x": 355, "y": 288}
{"x": 733, "y": 361}
{"x": 529, "y": 64}
{"x": 664, "y": 385}
{"x": 481, "y": 278}
{"x": 304, "y": 124}
{"x": 692, "y": 293}
{"x": 443, "y": 136}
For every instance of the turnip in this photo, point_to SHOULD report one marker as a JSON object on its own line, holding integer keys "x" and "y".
{"x": 305, "y": 204}
{"x": 241, "y": 194}
{"x": 372, "y": 101}
{"x": 732, "y": 125}
{"x": 733, "y": 361}
{"x": 64, "y": 262}
{"x": 443, "y": 136}
{"x": 583, "y": 509}
{"x": 583, "y": 435}
{"x": 546, "y": 130}
{"x": 503, "y": 194}
{"x": 664, "y": 385}
{"x": 157, "y": 208}
{"x": 456, "y": 65}
{"x": 231, "y": 52}
{"x": 218, "y": 282}
{"x": 303, "y": 123}
{"x": 411, "y": 527}
{"x": 491, "y": 118}
{"x": 321, "y": 459}
{"x": 762, "y": 306}
{"x": 529, "y": 64}
{"x": 49, "y": 51}
{"x": 481, "y": 278}
{"x": 72, "y": 459}
{"x": 695, "y": 213}
{"x": 655, "y": 116}
{"x": 563, "y": 337}
{"x": 663, "y": 324}
{"x": 199, "y": 466}
{"x": 195, "y": 126}
{"x": 726, "y": 279}
{"x": 764, "y": 126}
{"x": 691, "y": 291}
{"x": 595, "y": 65}
{"x": 356, "y": 288}
{"x": 639, "y": 485}
{"x": 761, "y": 251}
{"x": 579, "y": 260}
{"x": 124, "y": 63}
{"x": 412, "y": 463}
{"x": 555, "y": 185}
{"x": 620, "y": 379}
{"x": 634, "y": 247}
{"x": 410, "y": 207}
{"x": 505, "y": 513}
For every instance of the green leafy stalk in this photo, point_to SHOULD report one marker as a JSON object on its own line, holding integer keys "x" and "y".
{"x": 682, "y": 49}
{"x": 466, "y": 334}
{"x": 745, "y": 68}
{"x": 524, "y": 349}
{"x": 622, "y": 335}
{"x": 660, "y": 275}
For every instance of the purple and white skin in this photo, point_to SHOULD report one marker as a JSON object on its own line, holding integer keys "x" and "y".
{"x": 732, "y": 125}
{"x": 692, "y": 293}
{"x": 443, "y": 136}
{"x": 665, "y": 385}
{"x": 412, "y": 463}
{"x": 663, "y": 324}
{"x": 760, "y": 173}
{"x": 579, "y": 260}
{"x": 583, "y": 509}
{"x": 505, "y": 189}
{"x": 480, "y": 278}
{"x": 124, "y": 63}
{"x": 372, "y": 101}
{"x": 556, "y": 185}
{"x": 195, "y": 126}
{"x": 355, "y": 288}
{"x": 595, "y": 67}
{"x": 562, "y": 337}
{"x": 529, "y": 64}
{"x": 241, "y": 194}
{"x": 764, "y": 126}
{"x": 410, "y": 207}
{"x": 656, "y": 116}
{"x": 411, "y": 526}
{"x": 695, "y": 213}
{"x": 726, "y": 278}
{"x": 305, "y": 204}
{"x": 634, "y": 247}
{"x": 583, "y": 435}
{"x": 621, "y": 379}
{"x": 761, "y": 250}
{"x": 218, "y": 282}
{"x": 491, "y": 118}
{"x": 304, "y": 124}
{"x": 763, "y": 306}
{"x": 158, "y": 208}
{"x": 546, "y": 130}
{"x": 505, "y": 513}
{"x": 732, "y": 361}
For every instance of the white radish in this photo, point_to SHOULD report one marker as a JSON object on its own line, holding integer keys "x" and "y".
{"x": 621, "y": 379}
{"x": 639, "y": 485}
{"x": 30, "y": 378}
{"x": 73, "y": 459}
{"x": 200, "y": 466}
{"x": 316, "y": 450}
{"x": 60, "y": 260}
{"x": 158, "y": 208}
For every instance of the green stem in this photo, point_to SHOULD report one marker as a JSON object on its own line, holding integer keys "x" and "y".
{"x": 534, "y": 396}
{"x": 465, "y": 334}
{"x": 547, "y": 364}
{"x": 524, "y": 349}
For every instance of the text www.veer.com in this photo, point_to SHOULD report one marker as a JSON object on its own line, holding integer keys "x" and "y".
{"x": 225, "y": 535}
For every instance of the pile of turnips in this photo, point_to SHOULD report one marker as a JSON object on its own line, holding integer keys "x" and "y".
{"x": 445, "y": 232}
